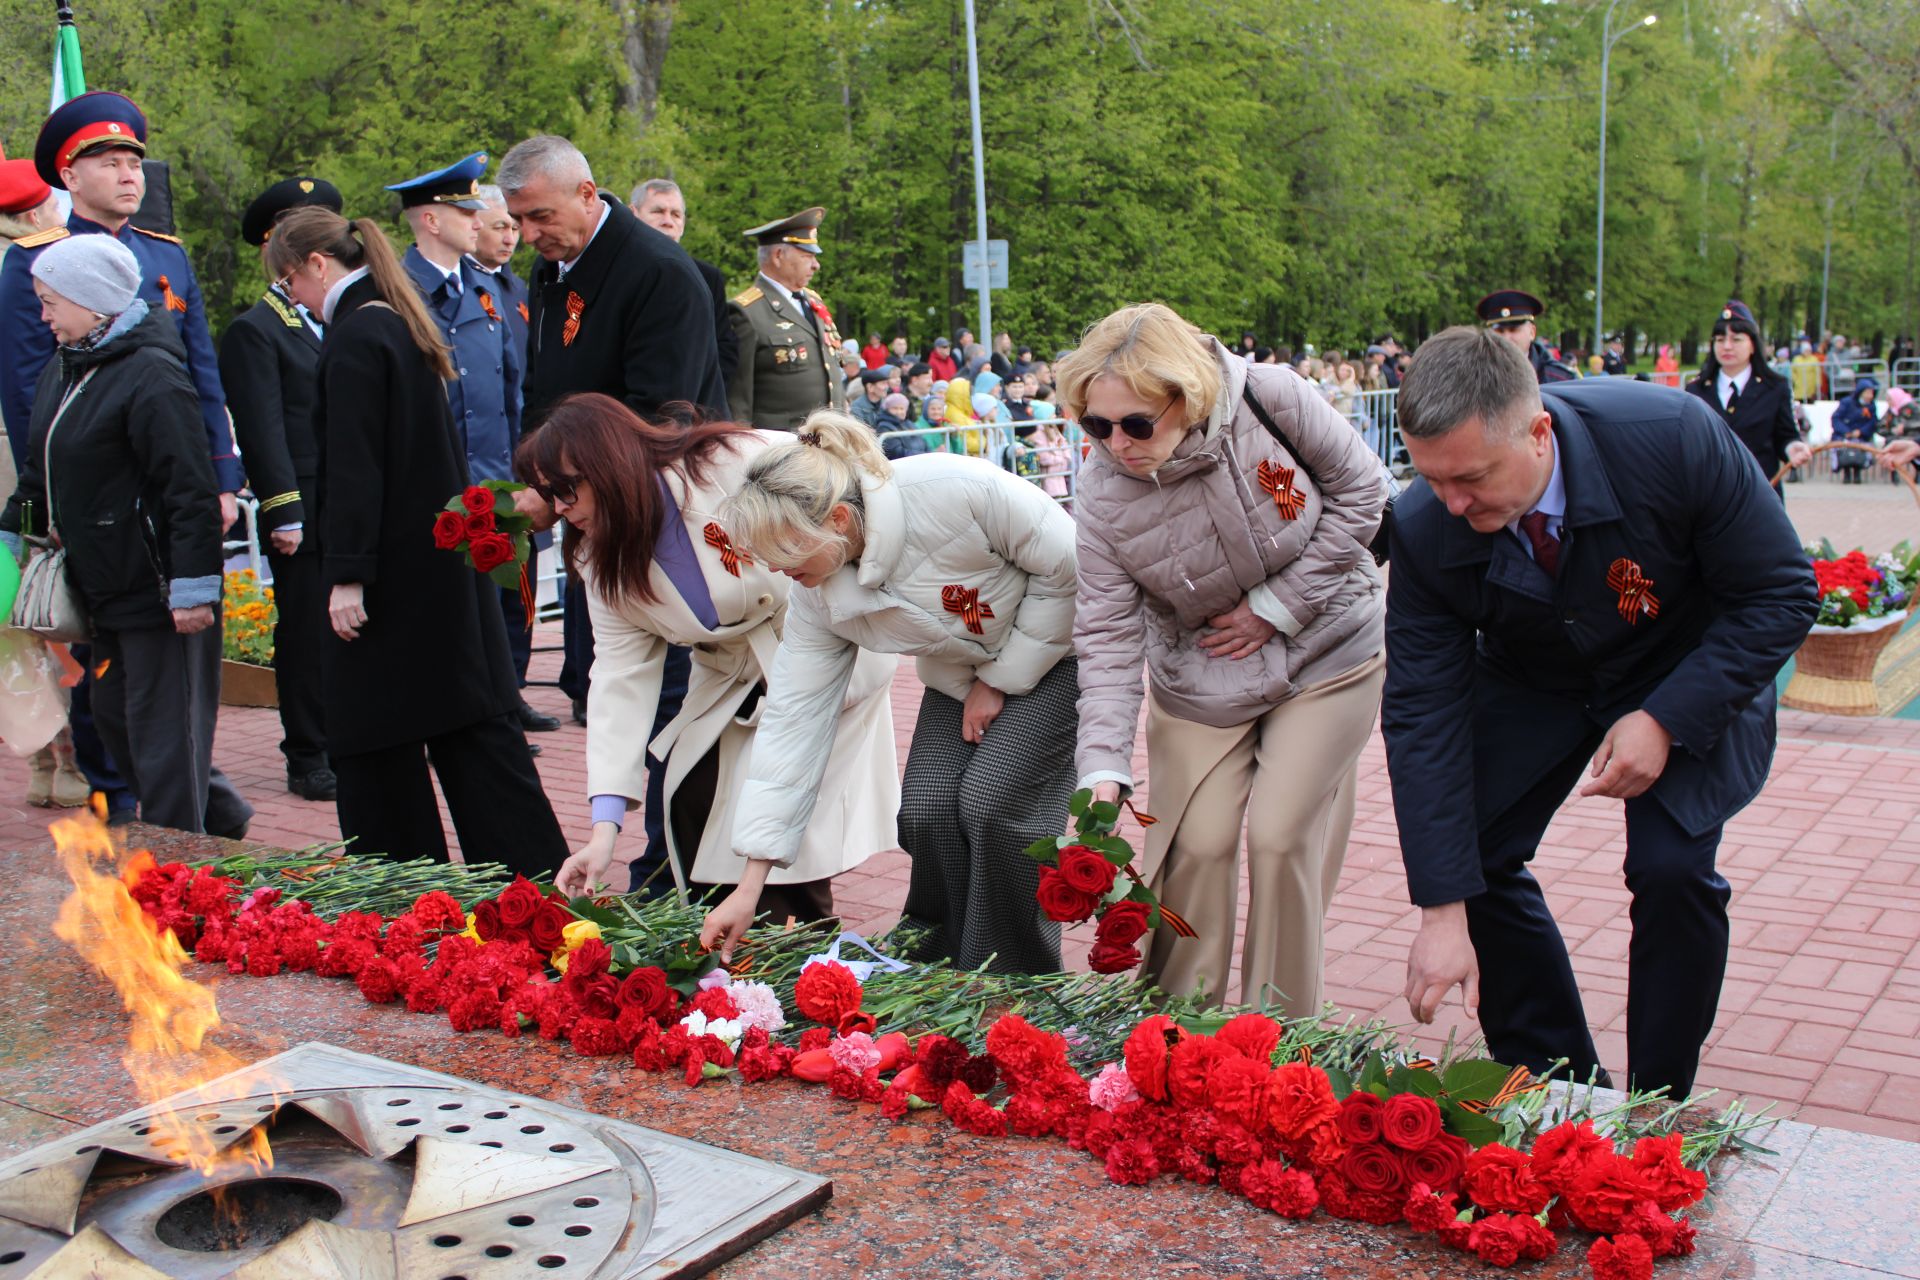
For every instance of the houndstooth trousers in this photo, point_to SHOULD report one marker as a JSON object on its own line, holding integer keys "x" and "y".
{"x": 967, "y": 814}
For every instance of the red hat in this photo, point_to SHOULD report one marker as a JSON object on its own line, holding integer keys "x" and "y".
{"x": 20, "y": 187}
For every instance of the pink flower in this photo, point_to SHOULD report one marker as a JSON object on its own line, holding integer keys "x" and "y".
{"x": 717, "y": 978}
{"x": 1112, "y": 1088}
{"x": 759, "y": 1006}
{"x": 855, "y": 1051}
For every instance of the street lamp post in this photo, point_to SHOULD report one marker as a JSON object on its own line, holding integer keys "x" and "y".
{"x": 1607, "y": 41}
{"x": 979, "y": 182}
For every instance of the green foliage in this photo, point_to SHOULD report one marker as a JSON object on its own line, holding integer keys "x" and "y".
{"x": 1314, "y": 173}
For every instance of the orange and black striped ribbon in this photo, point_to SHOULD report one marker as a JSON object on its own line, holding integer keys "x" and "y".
{"x": 172, "y": 300}
{"x": 731, "y": 557}
{"x": 1636, "y": 590}
{"x": 1278, "y": 481}
{"x": 576, "y": 305}
{"x": 966, "y": 602}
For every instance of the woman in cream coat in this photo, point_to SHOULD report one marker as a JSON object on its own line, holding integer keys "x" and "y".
{"x": 970, "y": 570}
{"x": 645, "y": 536}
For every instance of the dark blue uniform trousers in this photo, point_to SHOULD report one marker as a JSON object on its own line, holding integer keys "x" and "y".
{"x": 1530, "y": 1006}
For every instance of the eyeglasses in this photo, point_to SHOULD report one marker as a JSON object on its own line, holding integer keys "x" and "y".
{"x": 285, "y": 282}
{"x": 559, "y": 489}
{"x": 1137, "y": 425}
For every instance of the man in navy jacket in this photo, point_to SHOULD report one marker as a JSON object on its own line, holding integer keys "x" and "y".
{"x": 1594, "y": 580}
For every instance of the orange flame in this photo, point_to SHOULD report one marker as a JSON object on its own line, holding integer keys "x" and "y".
{"x": 168, "y": 1051}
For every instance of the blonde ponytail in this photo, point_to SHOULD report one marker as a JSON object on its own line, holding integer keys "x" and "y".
{"x": 780, "y": 514}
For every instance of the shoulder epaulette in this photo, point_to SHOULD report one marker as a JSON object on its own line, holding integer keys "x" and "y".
{"x": 288, "y": 316}
{"x": 749, "y": 297}
{"x": 160, "y": 235}
{"x": 39, "y": 238}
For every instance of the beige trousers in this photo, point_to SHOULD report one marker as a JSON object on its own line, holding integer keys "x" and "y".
{"x": 1290, "y": 776}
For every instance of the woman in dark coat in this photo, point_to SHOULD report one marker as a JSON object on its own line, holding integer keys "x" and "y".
{"x": 417, "y": 668}
{"x": 117, "y": 471}
{"x": 1854, "y": 420}
{"x": 1755, "y": 402}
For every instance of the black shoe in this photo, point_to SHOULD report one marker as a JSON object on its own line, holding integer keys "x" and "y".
{"x": 579, "y": 711}
{"x": 533, "y": 748}
{"x": 532, "y": 721}
{"x": 320, "y": 784}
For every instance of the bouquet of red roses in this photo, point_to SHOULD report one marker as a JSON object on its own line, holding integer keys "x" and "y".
{"x": 1080, "y": 880}
{"x": 495, "y": 538}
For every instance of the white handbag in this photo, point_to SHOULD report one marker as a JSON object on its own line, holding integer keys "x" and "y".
{"x": 48, "y": 605}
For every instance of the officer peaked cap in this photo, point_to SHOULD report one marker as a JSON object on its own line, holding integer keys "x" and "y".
{"x": 1508, "y": 306}
{"x": 256, "y": 224}
{"x": 80, "y": 126}
{"x": 801, "y": 231}
{"x": 458, "y": 185}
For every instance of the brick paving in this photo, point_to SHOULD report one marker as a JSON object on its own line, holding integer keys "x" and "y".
{"x": 1821, "y": 1010}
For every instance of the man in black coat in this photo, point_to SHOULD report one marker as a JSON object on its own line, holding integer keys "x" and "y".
{"x": 267, "y": 361}
{"x": 660, "y": 204}
{"x": 618, "y": 308}
{"x": 1593, "y": 576}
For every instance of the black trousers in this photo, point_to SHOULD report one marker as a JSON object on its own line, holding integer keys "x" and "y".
{"x": 499, "y": 810}
{"x": 89, "y": 750}
{"x": 300, "y": 596}
{"x": 805, "y": 901}
{"x": 519, "y": 637}
{"x": 1530, "y": 1007}
{"x": 576, "y": 641}
{"x": 156, "y": 702}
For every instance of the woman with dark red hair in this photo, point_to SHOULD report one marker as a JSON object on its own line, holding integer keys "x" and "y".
{"x": 643, "y": 535}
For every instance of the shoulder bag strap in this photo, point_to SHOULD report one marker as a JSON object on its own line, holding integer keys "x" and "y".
{"x": 46, "y": 447}
{"x": 1273, "y": 429}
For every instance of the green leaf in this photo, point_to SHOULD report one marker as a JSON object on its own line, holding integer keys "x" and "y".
{"x": 587, "y": 910}
{"x": 1478, "y": 1130}
{"x": 1077, "y": 802}
{"x": 1373, "y": 1075}
{"x": 505, "y": 576}
{"x": 1342, "y": 1083}
{"x": 1044, "y": 850}
{"x": 1474, "y": 1079}
{"x": 1105, "y": 811}
{"x": 1415, "y": 1080}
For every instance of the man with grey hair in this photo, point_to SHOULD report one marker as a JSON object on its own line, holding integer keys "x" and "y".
{"x": 1591, "y": 579}
{"x": 789, "y": 348}
{"x": 661, "y": 204}
{"x": 499, "y": 236}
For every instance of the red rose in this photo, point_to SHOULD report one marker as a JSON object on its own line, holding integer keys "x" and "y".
{"x": 1440, "y": 1163}
{"x": 480, "y": 524}
{"x": 1360, "y": 1117}
{"x": 478, "y": 499}
{"x": 1085, "y": 870}
{"x": 827, "y": 992}
{"x": 1121, "y": 925}
{"x": 1109, "y": 958}
{"x": 486, "y": 919}
{"x": 646, "y": 989}
{"x": 449, "y": 530}
{"x": 519, "y": 902}
{"x": 548, "y": 930}
{"x": 1372, "y": 1170}
{"x": 490, "y": 551}
{"x": 1061, "y": 901}
{"x": 1621, "y": 1258}
{"x": 1410, "y": 1121}
{"x": 1299, "y": 1098}
{"x": 1498, "y": 1177}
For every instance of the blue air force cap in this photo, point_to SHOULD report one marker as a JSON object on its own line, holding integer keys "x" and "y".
{"x": 458, "y": 185}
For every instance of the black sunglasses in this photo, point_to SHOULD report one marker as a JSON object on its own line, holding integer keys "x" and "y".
{"x": 1137, "y": 425}
{"x": 559, "y": 489}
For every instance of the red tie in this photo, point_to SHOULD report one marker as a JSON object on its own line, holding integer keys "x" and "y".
{"x": 1546, "y": 547}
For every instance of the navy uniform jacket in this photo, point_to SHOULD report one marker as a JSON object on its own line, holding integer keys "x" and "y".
{"x": 1545, "y": 368}
{"x": 167, "y": 284}
{"x": 484, "y": 393}
{"x": 1495, "y": 672}
{"x": 268, "y": 358}
{"x": 509, "y": 294}
{"x": 1762, "y": 417}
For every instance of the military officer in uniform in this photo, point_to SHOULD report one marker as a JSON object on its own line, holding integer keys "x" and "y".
{"x": 443, "y": 208}
{"x": 268, "y": 358}
{"x": 1515, "y": 316}
{"x": 788, "y": 364}
{"x": 491, "y": 257}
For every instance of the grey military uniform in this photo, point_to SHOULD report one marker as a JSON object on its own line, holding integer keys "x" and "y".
{"x": 789, "y": 363}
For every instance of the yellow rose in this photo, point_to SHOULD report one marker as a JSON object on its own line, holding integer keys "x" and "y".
{"x": 572, "y": 936}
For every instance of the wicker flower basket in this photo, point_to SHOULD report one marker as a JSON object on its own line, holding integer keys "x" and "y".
{"x": 244, "y": 685}
{"x": 1833, "y": 672}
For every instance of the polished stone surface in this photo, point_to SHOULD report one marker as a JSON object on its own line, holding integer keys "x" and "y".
{"x": 918, "y": 1199}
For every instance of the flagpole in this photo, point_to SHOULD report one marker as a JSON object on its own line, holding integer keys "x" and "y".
{"x": 69, "y": 77}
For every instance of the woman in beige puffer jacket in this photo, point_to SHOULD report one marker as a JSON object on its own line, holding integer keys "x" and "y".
{"x": 1245, "y": 587}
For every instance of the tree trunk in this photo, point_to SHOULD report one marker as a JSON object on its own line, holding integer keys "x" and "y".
{"x": 645, "y": 26}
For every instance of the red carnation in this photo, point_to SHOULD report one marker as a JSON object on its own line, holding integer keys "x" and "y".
{"x": 478, "y": 499}
{"x": 1410, "y": 1121}
{"x": 1621, "y": 1258}
{"x": 379, "y": 982}
{"x": 1430, "y": 1210}
{"x": 438, "y": 910}
{"x": 1061, "y": 901}
{"x": 1671, "y": 1184}
{"x": 490, "y": 551}
{"x": 1146, "y": 1052}
{"x": 1360, "y": 1117}
{"x": 1253, "y": 1034}
{"x": 449, "y": 530}
{"x": 1272, "y": 1186}
{"x": 1504, "y": 1238}
{"x": 1133, "y": 1162}
{"x": 1563, "y": 1151}
{"x": 596, "y": 1038}
{"x": 827, "y": 992}
{"x": 1237, "y": 1091}
{"x": 1498, "y": 1177}
{"x": 1299, "y": 1098}
{"x": 1085, "y": 870}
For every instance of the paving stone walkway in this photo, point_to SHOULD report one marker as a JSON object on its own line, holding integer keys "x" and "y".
{"x": 1821, "y": 1010}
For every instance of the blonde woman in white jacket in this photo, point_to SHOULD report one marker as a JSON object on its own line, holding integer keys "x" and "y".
{"x": 970, "y": 570}
{"x": 644, "y": 532}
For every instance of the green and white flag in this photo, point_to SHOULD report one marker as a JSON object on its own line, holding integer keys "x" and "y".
{"x": 69, "y": 80}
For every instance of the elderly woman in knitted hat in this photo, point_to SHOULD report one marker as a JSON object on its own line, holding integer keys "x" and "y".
{"x": 117, "y": 473}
